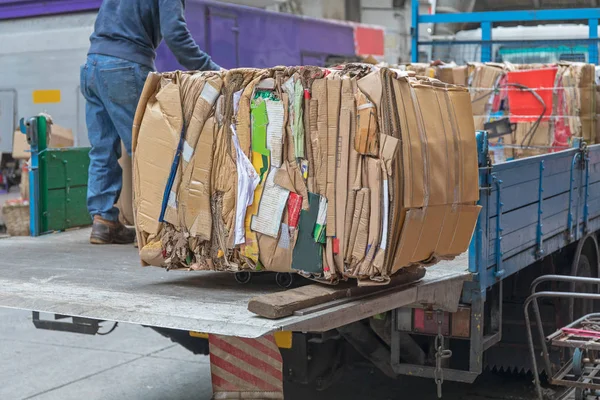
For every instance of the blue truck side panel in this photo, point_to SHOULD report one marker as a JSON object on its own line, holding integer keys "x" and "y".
{"x": 533, "y": 207}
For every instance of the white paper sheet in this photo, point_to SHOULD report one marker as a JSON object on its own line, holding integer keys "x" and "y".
{"x": 271, "y": 207}
{"x": 248, "y": 180}
{"x": 237, "y": 96}
{"x": 386, "y": 210}
{"x": 275, "y": 113}
{"x": 188, "y": 151}
{"x": 209, "y": 93}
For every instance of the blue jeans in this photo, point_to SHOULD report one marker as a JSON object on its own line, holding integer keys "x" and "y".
{"x": 112, "y": 88}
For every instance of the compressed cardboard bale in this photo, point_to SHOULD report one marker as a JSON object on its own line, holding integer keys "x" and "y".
{"x": 277, "y": 170}
{"x": 460, "y": 75}
{"x": 445, "y": 74}
{"x": 483, "y": 81}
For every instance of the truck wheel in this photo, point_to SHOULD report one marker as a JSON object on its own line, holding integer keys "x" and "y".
{"x": 243, "y": 277}
{"x": 284, "y": 279}
{"x": 579, "y": 307}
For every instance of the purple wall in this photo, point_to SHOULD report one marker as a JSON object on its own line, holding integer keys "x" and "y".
{"x": 27, "y": 8}
{"x": 236, "y": 36}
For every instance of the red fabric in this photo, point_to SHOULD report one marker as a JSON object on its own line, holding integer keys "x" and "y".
{"x": 294, "y": 208}
{"x": 524, "y": 106}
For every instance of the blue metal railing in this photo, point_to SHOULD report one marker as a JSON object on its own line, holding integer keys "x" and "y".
{"x": 487, "y": 19}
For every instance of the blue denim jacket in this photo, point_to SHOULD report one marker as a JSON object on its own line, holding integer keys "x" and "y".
{"x": 133, "y": 29}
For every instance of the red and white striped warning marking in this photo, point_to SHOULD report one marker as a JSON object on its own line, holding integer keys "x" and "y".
{"x": 245, "y": 368}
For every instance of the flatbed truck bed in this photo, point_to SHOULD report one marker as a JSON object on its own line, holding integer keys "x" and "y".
{"x": 539, "y": 215}
{"x": 63, "y": 274}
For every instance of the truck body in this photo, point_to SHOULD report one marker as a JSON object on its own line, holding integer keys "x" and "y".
{"x": 537, "y": 213}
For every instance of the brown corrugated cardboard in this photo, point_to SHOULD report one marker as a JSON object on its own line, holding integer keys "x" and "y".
{"x": 484, "y": 79}
{"x": 125, "y": 201}
{"x": 460, "y": 75}
{"x": 334, "y": 87}
{"x": 195, "y": 191}
{"x": 59, "y": 137}
{"x": 319, "y": 141}
{"x": 360, "y": 228}
{"x": 155, "y": 150}
{"x": 466, "y": 146}
{"x": 374, "y": 171}
{"x": 343, "y": 156}
{"x": 409, "y": 199}
{"x": 445, "y": 74}
{"x": 366, "y": 141}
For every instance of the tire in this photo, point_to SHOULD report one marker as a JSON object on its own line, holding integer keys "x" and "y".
{"x": 580, "y": 307}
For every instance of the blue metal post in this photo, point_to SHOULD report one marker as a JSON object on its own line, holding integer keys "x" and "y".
{"x": 540, "y": 224}
{"x": 499, "y": 274}
{"x": 476, "y": 259}
{"x": 586, "y": 210}
{"x": 34, "y": 175}
{"x": 486, "y": 37}
{"x": 570, "y": 223}
{"x": 593, "y": 46}
{"x": 414, "y": 31}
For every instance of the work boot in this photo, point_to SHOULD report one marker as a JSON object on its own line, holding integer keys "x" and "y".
{"x": 110, "y": 232}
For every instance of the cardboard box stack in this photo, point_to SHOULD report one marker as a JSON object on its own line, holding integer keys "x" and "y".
{"x": 355, "y": 172}
{"x": 513, "y": 91}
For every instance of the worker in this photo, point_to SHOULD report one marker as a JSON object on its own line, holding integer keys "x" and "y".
{"x": 122, "y": 53}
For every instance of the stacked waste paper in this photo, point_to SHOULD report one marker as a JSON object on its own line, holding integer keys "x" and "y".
{"x": 353, "y": 172}
{"x": 529, "y": 109}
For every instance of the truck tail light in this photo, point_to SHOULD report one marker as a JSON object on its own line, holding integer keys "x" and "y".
{"x": 418, "y": 320}
{"x": 461, "y": 322}
{"x": 427, "y": 322}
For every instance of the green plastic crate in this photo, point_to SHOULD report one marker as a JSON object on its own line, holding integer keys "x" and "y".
{"x": 58, "y": 182}
{"x": 63, "y": 188}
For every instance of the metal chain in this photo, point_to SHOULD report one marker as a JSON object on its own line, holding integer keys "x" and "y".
{"x": 440, "y": 355}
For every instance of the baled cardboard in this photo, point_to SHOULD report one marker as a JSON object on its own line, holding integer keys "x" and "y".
{"x": 445, "y": 74}
{"x": 400, "y": 202}
{"x": 460, "y": 75}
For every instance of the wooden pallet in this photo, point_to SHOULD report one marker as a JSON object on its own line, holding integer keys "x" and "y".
{"x": 286, "y": 303}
